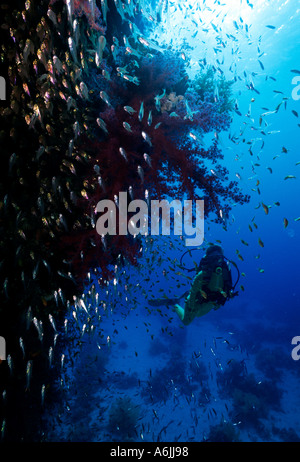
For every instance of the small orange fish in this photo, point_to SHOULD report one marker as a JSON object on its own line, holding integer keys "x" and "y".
{"x": 285, "y": 222}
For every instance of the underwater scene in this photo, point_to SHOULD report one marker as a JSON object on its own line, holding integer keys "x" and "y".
{"x": 150, "y": 222}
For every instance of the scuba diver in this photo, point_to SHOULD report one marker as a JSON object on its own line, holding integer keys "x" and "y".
{"x": 210, "y": 289}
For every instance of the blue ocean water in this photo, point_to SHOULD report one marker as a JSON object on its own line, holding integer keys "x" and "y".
{"x": 131, "y": 372}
